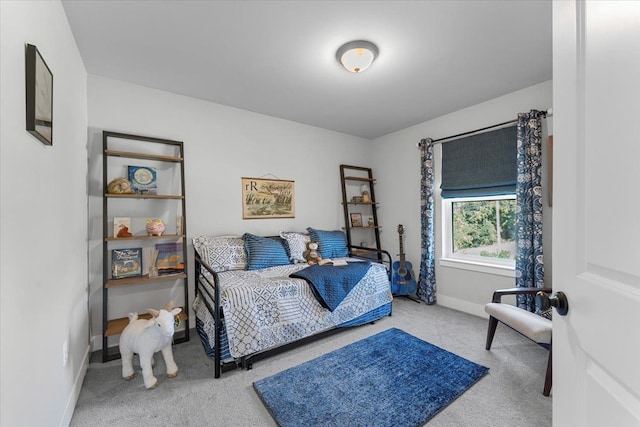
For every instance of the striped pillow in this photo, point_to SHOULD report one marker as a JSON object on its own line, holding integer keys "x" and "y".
{"x": 331, "y": 244}
{"x": 263, "y": 252}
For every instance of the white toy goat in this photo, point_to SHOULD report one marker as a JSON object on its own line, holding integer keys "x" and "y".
{"x": 146, "y": 337}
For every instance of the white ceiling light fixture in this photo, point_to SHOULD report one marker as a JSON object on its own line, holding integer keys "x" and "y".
{"x": 357, "y": 56}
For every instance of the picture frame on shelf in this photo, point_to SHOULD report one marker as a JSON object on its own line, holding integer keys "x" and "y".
{"x": 170, "y": 259}
{"x": 356, "y": 220}
{"x": 122, "y": 227}
{"x": 39, "y": 96}
{"x": 268, "y": 198}
{"x": 179, "y": 225}
{"x": 143, "y": 179}
{"x": 126, "y": 263}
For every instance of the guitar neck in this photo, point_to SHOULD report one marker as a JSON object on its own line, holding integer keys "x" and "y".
{"x": 401, "y": 252}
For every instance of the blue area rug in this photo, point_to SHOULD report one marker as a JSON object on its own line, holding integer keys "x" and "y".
{"x": 388, "y": 379}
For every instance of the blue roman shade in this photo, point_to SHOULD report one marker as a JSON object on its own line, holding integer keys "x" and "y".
{"x": 480, "y": 165}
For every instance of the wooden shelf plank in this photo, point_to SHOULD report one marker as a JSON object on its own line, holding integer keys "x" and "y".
{"x": 113, "y": 353}
{"x": 116, "y": 326}
{"x": 164, "y": 236}
{"x": 143, "y": 196}
{"x": 141, "y": 280}
{"x": 363, "y": 251}
{"x": 133, "y": 155}
{"x": 363, "y": 203}
{"x": 358, "y": 178}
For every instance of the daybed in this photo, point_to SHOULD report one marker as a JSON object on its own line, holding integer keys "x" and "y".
{"x": 247, "y": 305}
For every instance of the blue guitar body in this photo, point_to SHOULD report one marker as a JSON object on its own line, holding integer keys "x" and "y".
{"x": 403, "y": 281}
{"x": 403, "y": 284}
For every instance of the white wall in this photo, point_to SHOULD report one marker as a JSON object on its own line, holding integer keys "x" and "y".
{"x": 43, "y": 224}
{"x": 396, "y": 164}
{"x": 222, "y": 144}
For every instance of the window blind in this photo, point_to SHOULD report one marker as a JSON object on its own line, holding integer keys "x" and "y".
{"x": 480, "y": 165}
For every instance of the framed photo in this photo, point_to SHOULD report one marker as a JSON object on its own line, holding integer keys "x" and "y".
{"x": 170, "y": 258}
{"x": 356, "y": 220}
{"x": 143, "y": 179}
{"x": 39, "y": 96}
{"x": 267, "y": 198}
{"x": 121, "y": 226}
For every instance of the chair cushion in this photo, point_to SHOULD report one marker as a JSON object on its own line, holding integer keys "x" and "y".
{"x": 531, "y": 325}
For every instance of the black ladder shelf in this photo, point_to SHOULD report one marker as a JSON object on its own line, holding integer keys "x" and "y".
{"x": 360, "y": 210}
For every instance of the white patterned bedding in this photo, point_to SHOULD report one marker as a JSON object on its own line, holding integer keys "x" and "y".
{"x": 264, "y": 309}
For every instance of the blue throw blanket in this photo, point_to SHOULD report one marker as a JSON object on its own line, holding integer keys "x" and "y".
{"x": 331, "y": 284}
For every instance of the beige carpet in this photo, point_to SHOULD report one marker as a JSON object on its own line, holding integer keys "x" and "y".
{"x": 510, "y": 395}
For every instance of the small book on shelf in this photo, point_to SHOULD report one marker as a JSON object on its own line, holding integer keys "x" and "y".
{"x": 121, "y": 226}
{"x": 143, "y": 179}
{"x": 126, "y": 262}
{"x": 179, "y": 225}
{"x": 334, "y": 262}
{"x": 170, "y": 258}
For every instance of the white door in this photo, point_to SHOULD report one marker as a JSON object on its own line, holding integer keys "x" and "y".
{"x": 596, "y": 212}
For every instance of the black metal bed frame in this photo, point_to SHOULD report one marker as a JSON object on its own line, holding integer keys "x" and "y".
{"x": 204, "y": 274}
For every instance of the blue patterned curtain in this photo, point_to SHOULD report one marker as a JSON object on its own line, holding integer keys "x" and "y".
{"x": 427, "y": 281}
{"x": 529, "y": 260}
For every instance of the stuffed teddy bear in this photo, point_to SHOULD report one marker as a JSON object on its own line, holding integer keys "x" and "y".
{"x": 119, "y": 186}
{"x": 311, "y": 254}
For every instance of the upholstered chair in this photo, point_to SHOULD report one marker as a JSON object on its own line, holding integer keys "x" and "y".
{"x": 533, "y": 326}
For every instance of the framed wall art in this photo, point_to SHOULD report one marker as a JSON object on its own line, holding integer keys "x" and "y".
{"x": 356, "y": 220}
{"x": 39, "y": 96}
{"x": 267, "y": 198}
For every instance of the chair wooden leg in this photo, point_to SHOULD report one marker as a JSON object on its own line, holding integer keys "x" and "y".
{"x": 548, "y": 377}
{"x": 493, "y": 324}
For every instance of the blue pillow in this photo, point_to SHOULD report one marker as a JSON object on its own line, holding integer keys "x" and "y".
{"x": 263, "y": 252}
{"x": 331, "y": 244}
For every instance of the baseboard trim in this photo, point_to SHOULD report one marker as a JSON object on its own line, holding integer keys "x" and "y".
{"x": 462, "y": 305}
{"x": 75, "y": 391}
{"x": 96, "y": 343}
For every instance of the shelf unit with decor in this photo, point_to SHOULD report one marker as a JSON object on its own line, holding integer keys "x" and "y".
{"x": 359, "y": 203}
{"x": 166, "y": 200}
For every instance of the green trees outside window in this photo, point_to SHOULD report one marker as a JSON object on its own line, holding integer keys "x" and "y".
{"x": 485, "y": 228}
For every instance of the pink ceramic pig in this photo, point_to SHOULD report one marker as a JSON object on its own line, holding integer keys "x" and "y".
{"x": 155, "y": 227}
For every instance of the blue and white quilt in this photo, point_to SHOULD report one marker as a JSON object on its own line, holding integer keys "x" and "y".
{"x": 331, "y": 284}
{"x": 266, "y": 308}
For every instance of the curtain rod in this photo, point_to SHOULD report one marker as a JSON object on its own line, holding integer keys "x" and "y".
{"x": 544, "y": 114}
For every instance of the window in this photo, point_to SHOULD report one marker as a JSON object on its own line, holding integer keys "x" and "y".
{"x": 481, "y": 229}
{"x": 478, "y": 197}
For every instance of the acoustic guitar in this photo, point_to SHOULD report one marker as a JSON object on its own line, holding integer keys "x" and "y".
{"x": 403, "y": 281}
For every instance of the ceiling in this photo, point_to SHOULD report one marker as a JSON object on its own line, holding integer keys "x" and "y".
{"x": 278, "y": 57}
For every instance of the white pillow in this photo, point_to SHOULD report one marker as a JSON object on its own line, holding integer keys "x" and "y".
{"x": 222, "y": 253}
{"x": 296, "y": 245}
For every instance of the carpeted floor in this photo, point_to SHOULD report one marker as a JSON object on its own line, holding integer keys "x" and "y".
{"x": 509, "y": 395}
